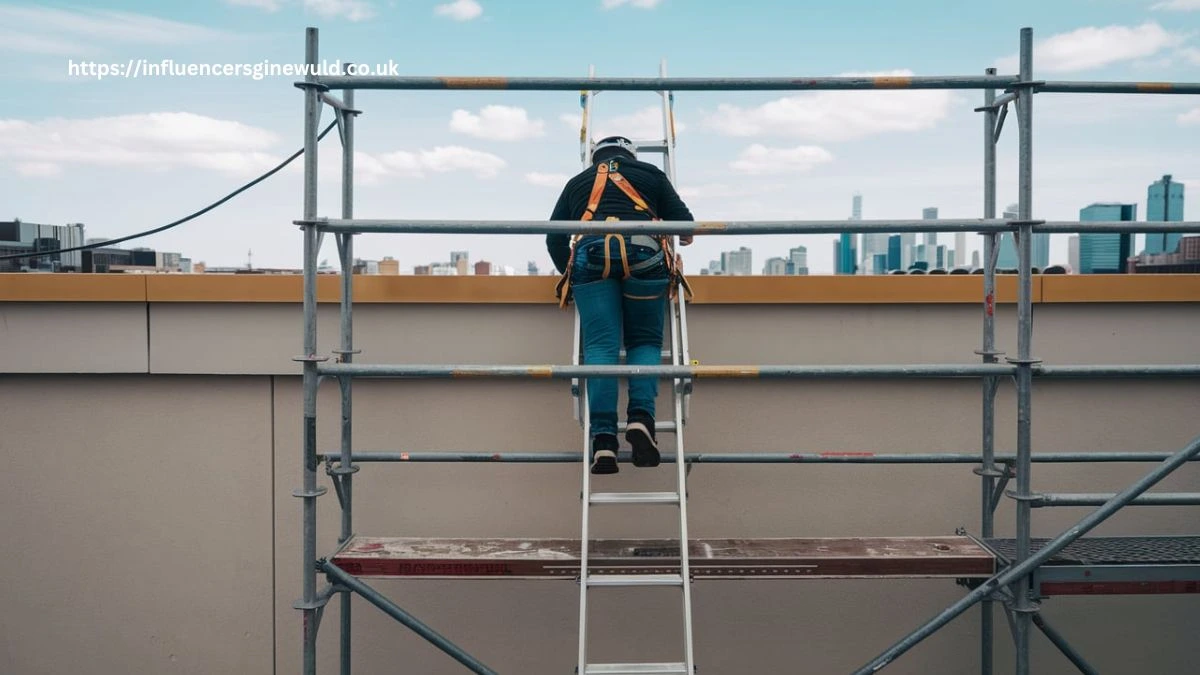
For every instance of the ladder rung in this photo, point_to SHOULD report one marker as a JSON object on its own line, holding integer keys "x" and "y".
{"x": 655, "y": 145}
{"x": 635, "y": 580}
{"x": 667, "y": 427}
{"x": 635, "y": 668}
{"x": 635, "y": 498}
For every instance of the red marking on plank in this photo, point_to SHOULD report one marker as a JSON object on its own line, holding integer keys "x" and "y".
{"x": 990, "y": 304}
{"x": 369, "y": 547}
{"x": 404, "y": 456}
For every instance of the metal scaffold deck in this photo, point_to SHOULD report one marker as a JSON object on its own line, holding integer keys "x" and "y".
{"x": 1014, "y": 572}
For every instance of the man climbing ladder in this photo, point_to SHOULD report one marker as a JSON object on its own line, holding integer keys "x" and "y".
{"x": 620, "y": 284}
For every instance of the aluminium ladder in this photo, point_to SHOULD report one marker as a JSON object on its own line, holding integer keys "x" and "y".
{"x": 681, "y": 390}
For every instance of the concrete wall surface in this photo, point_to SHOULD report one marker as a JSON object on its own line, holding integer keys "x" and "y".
{"x": 151, "y": 449}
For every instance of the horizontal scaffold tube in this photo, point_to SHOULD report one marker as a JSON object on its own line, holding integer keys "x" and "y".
{"x": 1118, "y": 371}
{"x": 732, "y": 227}
{"x": 1114, "y": 226}
{"x": 1119, "y": 87}
{"x": 704, "y": 227}
{"x": 451, "y": 371}
{"x": 662, "y": 371}
{"x": 1098, "y": 499}
{"x": 665, "y": 83}
{"x": 753, "y": 457}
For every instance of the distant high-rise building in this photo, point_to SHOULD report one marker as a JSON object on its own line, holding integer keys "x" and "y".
{"x": 845, "y": 254}
{"x": 714, "y": 267}
{"x": 893, "y": 255}
{"x": 1164, "y": 202}
{"x": 959, "y": 257}
{"x": 975, "y": 259}
{"x": 908, "y": 249}
{"x": 873, "y": 244}
{"x": 389, "y": 265}
{"x": 775, "y": 267}
{"x": 739, "y": 262}
{"x": 929, "y": 238}
{"x": 483, "y": 268}
{"x": 1073, "y": 253}
{"x": 1040, "y": 246}
{"x": 879, "y": 263}
{"x": 1105, "y": 252}
{"x": 460, "y": 261}
{"x": 798, "y": 260}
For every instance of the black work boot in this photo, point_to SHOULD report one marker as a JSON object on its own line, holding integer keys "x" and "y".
{"x": 640, "y": 434}
{"x": 604, "y": 453}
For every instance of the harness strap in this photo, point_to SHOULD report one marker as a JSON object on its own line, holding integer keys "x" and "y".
{"x": 597, "y": 191}
{"x": 670, "y": 258}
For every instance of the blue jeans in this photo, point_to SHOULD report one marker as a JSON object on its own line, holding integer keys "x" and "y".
{"x": 615, "y": 309}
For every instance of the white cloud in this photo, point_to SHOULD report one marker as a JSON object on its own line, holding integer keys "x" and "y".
{"x": 152, "y": 140}
{"x": 440, "y": 159}
{"x": 497, "y": 123}
{"x": 57, "y": 31}
{"x": 460, "y": 10}
{"x": 351, "y": 10}
{"x": 1092, "y": 47}
{"x": 265, "y": 5}
{"x": 39, "y": 169}
{"x": 836, "y": 115}
{"x": 555, "y": 180}
{"x": 1178, "y": 5}
{"x": 759, "y": 159}
{"x": 644, "y": 124}
{"x": 642, "y": 4}
{"x": 1190, "y": 54}
{"x": 726, "y": 191}
{"x": 1190, "y": 118}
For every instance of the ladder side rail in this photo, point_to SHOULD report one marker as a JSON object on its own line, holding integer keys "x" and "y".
{"x": 585, "y": 499}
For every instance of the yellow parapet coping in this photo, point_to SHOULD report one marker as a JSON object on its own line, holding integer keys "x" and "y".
{"x": 711, "y": 290}
{"x": 834, "y": 289}
{"x": 1121, "y": 288}
{"x": 72, "y": 288}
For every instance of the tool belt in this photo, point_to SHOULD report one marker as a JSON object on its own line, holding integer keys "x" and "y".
{"x": 673, "y": 261}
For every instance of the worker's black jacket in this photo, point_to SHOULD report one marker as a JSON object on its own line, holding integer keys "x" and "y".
{"x": 647, "y": 179}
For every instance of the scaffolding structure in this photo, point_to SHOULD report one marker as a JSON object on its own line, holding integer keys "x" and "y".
{"x": 1019, "y": 560}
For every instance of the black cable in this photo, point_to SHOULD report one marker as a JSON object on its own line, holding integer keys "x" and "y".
{"x": 197, "y": 214}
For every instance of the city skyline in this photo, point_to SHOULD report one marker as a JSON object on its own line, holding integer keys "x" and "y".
{"x": 180, "y": 142}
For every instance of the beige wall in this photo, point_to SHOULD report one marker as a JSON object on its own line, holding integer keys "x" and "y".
{"x": 151, "y": 520}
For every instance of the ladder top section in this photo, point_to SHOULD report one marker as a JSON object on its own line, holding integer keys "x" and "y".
{"x": 833, "y": 557}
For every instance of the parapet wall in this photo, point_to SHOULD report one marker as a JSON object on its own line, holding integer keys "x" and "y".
{"x": 151, "y": 434}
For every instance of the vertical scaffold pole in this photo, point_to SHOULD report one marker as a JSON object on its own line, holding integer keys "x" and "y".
{"x": 1023, "y": 607}
{"x": 311, "y": 604}
{"x": 987, "y": 470}
{"x": 309, "y": 492}
{"x": 345, "y": 471}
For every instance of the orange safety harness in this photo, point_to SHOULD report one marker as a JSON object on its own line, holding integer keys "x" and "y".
{"x": 607, "y": 172}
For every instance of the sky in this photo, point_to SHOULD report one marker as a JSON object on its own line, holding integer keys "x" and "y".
{"x": 122, "y": 154}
